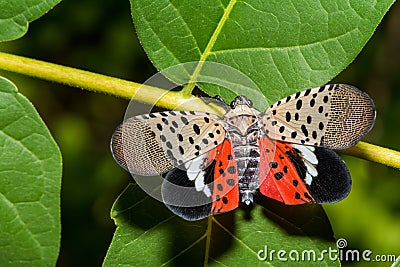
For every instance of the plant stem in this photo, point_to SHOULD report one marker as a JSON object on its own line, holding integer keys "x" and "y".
{"x": 375, "y": 153}
{"x": 101, "y": 83}
{"x": 153, "y": 95}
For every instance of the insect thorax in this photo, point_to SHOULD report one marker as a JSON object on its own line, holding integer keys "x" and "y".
{"x": 244, "y": 131}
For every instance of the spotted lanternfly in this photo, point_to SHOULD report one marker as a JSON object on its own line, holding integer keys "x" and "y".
{"x": 284, "y": 153}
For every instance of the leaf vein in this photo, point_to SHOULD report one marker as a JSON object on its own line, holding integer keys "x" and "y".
{"x": 18, "y": 217}
{"x": 184, "y": 250}
{"x": 236, "y": 238}
{"x": 336, "y": 38}
{"x": 187, "y": 90}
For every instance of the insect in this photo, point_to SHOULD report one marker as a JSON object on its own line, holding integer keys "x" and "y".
{"x": 214, "y": 163}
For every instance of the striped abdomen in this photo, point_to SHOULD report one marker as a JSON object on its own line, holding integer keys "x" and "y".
{"x": 248, "y": 161}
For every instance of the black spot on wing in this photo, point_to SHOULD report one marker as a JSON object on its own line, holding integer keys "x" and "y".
{"x": 184, "y": 120}
{"x": 196, "y": 129}
{"x": 163, "y": 114}
{"x": 278, "y": 175}
{"x": 231, "y": 182}
{"x": 299, "y": 104}
{"x": 288, "y": 116}
{"x": 273, "y": 164}
{"x": 181, "y": 197}
{"x": 231, "y": 169}
{"x": 169, "y": 145}
{"x": 304, "y": 130}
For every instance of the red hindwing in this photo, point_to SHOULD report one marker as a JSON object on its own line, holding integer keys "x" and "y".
{"x": 280, "y": 178}
{"x": 225, "y": 195}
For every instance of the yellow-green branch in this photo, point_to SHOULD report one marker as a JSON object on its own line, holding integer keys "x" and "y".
{"x": 152, "y": 95}
{"x": 101, "y": 83}
{"x": 375, "y": 153}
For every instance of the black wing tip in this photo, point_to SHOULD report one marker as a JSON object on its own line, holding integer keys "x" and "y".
{"x": 178, "y": 189}
{"x": 189, "y": 213}
{"x": 333, "y": 182}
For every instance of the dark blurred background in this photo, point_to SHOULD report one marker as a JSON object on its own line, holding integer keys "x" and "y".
{"x": 99, "y": 36}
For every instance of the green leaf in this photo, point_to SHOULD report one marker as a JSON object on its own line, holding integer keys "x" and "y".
{"x": 149, "y": 235}
{"x": 396, "y": 263}
{"x": 30, "y": 175}
{"x": 15, "y": 16}
{"x": 283, "y": 46}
